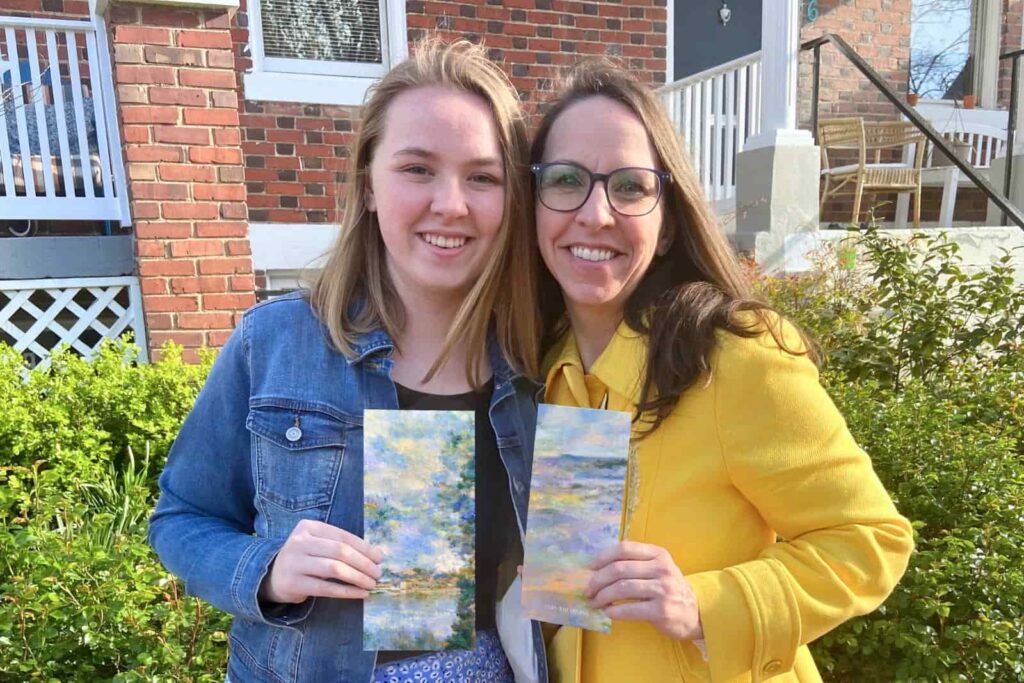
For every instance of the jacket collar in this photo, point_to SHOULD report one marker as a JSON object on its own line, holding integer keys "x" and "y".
{"x": 377, "y": 341}
{"x": 372, "y": 342}
{"x": 620, "y": 367}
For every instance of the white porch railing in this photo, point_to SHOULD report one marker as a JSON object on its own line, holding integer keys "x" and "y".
{"x": 716, "y": 111}
{"x": 59, "y": 141}
{"x": 36, "y": 316}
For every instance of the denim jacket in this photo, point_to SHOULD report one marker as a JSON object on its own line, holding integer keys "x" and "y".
{"x": 235, "y": 485}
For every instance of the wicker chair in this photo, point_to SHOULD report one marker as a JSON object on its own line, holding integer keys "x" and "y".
{"x": 854, "y": 137}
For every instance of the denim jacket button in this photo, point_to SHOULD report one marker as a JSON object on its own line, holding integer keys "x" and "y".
{"x": 293, "y": 434}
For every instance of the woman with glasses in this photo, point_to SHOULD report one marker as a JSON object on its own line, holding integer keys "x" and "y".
{"x": 752, "y": 521}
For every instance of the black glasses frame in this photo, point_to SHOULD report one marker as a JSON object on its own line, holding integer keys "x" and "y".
{"x": 664, "y": 177}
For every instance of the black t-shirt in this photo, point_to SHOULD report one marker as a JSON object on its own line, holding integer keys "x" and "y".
{"x": 497, "y": 535}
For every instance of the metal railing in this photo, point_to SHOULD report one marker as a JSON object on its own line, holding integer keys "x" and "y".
{"x": 716, "y": 111}
{"x": 922, "y": 124}
{"x": 60, "y": 149}
{"x": 1011, "y": 123}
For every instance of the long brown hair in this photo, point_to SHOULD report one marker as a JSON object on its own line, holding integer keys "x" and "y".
{"x": 696, "y": 288}
{"x": 354, "y": 293}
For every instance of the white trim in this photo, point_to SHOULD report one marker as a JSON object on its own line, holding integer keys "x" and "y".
{"x": 268, "y": 86}
{"x": 289, "y": 246}
{"x": 987, "y": 39}
{"x": 670, "y": 43}
{"x": 275, "y": 79}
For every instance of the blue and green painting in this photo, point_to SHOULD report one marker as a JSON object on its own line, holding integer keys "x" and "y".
{"x": 580, "y": 458}
{"x": 419, "y": 479}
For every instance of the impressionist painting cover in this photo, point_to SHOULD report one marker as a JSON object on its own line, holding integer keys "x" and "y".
{"x": 419, "y": 508}
{"x": 579, "y": 472}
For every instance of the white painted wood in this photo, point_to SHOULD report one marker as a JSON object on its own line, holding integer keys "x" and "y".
{"x": 275, "y": 79}
{"x": 949, "y": 187}
{"x": 101, "y": 112}
{"x": 62, "y": 125}
{"x": 728, "y": 184}
{"x": 289, "y": 246}
{"x": 63, "y": 75}
{"x": 79, "y": 106}
{"x": 6, "y": 163}
{"x": 19, "y": 113}
{"x": 713, "y": 113}
{"x": 44, "y": 140}
{"x": 780, "y": 53}
{"x": 741, "y": 109}
{"x": 62, "y": 293}
{"x": 110, "y": 144}
{"x": 696, "y": 151}
{"x": 705, "y": 168}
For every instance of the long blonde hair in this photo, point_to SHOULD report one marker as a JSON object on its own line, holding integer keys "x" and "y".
{"x": 354, "y": 293}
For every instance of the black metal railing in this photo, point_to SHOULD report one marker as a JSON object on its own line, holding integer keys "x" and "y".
{"x": 1011, "y": 123}
{"x": 1009, "y": 210}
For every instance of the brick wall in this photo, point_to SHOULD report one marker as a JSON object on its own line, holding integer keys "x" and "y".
{"x": 64, "y": 9}
{"x": 296, "y": 155}
{"x": 1013, "y": 18}
{"x": 178, "y": 94}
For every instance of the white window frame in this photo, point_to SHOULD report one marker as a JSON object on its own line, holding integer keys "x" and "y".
{"x": 308, "y": 81}
{"x": 986, "y": 17}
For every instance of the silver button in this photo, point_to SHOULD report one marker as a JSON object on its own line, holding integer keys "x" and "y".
{"x": 293, "y": 434}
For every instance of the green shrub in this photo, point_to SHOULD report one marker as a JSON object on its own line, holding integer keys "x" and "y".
{"x": 926, "y": 361}
{"x": 82, "y": 596}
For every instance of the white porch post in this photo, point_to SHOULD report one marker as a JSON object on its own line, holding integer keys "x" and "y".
{"x": 777, "y": 173}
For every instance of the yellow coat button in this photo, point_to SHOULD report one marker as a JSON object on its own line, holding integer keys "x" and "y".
{"x": 772, "y": 667}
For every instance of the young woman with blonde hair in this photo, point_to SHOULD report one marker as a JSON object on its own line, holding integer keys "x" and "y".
{"x": 420, "y": 306}
{"x": 753, "y": 523}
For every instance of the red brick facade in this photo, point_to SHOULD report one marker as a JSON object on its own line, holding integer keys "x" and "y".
{"x": 178, "y": 93}
{"x": 296, "y": 155}
{"x": 880, "y": 32}
{"x": 204, "y": 163}
{"x": 57, "y": 9}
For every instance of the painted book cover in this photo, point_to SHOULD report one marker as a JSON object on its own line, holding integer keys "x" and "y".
{"x": 419, "y": 484}
{"x": 580, "y": 459}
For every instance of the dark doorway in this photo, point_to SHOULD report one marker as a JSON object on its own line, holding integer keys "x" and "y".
{"x": 701, "y": 41}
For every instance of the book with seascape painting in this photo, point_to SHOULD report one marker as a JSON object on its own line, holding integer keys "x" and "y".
{"x": 419, "y": 478}
{"x": 580, "y": 459}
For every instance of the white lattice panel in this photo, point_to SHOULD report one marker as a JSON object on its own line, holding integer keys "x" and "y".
{"x": 37, "y": 316}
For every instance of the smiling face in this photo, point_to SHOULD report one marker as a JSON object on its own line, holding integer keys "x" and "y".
{"x": 598, "y": 256}
{"x": 437, "y": 184}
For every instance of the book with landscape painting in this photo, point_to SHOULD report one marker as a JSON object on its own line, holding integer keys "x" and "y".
{"x": 419, "y": 479}
{"x": 580, "y": 460}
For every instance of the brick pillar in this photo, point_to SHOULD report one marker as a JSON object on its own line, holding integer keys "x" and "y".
{"x": 178, "y": 105}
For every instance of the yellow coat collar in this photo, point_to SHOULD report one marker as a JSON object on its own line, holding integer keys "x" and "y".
{"x": 620, "y": 367}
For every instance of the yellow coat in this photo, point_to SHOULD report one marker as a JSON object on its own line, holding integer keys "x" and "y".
{"x": 758, "y": 451}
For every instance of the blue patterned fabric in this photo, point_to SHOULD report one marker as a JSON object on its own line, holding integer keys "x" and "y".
{"x": 485, "y": 664}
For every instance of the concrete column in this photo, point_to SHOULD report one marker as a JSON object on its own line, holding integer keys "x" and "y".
{"x": 777, "y": 173}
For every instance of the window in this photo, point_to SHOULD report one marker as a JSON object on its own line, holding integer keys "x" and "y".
{"x": 322, "y": 51}
{"x": 954, "y": 46}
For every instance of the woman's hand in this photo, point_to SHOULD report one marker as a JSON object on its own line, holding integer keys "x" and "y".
{"x": 640, "y": 582}
{"x": 314, "y": 558}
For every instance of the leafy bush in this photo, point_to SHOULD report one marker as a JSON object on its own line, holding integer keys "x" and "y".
{"x": 926, "y": 361}
{"x": 82, "y": 596}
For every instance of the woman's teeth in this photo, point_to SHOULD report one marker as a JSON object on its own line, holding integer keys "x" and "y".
{"x": 444, "y": 242}
{"x": 592, "y": 254}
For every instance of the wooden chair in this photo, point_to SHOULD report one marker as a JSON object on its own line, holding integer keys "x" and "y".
{"x": 853, "y": 137}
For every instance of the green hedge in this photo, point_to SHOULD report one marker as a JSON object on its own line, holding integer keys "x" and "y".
{"x": 925, "y": 360}
{"x": 83, "y": 596}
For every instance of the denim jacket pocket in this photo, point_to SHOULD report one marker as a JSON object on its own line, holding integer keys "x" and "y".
{"x": 298, "y": 453}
